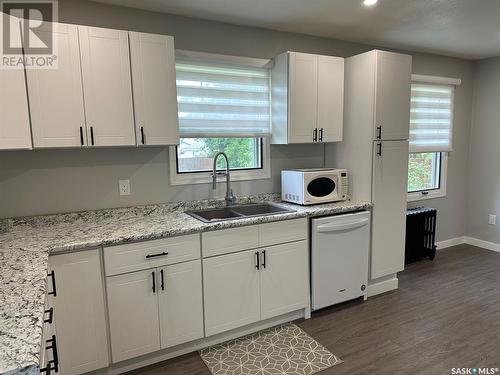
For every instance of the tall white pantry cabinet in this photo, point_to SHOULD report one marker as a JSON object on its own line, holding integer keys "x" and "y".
{"x": 375, "y": 151}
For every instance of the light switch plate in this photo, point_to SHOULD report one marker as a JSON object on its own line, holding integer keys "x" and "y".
{"x": 124, "y": 187}
{"x": 492, "y": 219}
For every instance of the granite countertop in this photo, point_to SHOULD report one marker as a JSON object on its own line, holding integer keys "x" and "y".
{"x": 25, "y": 245}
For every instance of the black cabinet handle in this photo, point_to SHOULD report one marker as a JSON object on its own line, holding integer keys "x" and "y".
{"x": 92, "y": 135}
{"x": 257, "y": 260}
{"x": 321, "y": 135}
{"x": 379, "y": 132}
{"x": 81, "y": 135}
{"x": 51, "y": 315}
{"x": 54, "y": 364}
{"x": 315, "y": 135}
{"x": 156, "y": 255}
{"x": 142, "y": 134}
{"x": 154, "y": 281}
{"x": 52, "y": 275}
{"x": 162, "y": 280}
{"x": 379, "y": 149}
{"x": 264, "y": 259}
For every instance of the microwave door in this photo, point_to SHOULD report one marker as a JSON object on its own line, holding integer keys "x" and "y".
{"x": 320, "y": 189}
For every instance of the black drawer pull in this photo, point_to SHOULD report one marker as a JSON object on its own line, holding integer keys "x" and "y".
{"x": 53, "y": 276}
{"x": 321, "y": 135}
{"x": 162, "y": 280}
{"x": 92, "y": 135}
{"x": 81, "y": 135}
{"x": 54, "y": 364}
{"x": 51, "y": 315}
{"x": 315, "y": 135}
{"x": 379, "y": 132}
{"x": 257, "y": 260}
{"x": 264, "y": 259}
{"x": 142, "y": 134}
{"x": 156, "y": 255}
{"x": 379, "y": 149}
{"x": 154, "y": 281}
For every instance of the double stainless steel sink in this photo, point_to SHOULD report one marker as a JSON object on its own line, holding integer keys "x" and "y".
{"x": 242, "y": 211}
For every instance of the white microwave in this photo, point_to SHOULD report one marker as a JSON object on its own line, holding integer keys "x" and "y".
{"x": 313, "y": 186}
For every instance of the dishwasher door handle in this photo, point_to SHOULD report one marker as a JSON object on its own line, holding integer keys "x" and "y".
{"x": 334, "y": 227}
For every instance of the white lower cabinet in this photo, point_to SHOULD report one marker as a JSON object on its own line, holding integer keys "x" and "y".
{"x": 180, "y": 304}
{"x": 133, "y": 315}
{"x": 154, "y": 309}
{"x": 284, "y": 284}
{"x": 231, "y": 291}
{"x": 79, "y": 311}
{"x": 259, "y": 284}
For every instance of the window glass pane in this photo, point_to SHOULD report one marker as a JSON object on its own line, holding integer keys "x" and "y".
{"x": 424, "y": 171}
{"x": 196, "y": 154}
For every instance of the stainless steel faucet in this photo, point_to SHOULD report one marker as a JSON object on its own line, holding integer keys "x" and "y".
{"x": 230, "y": 198}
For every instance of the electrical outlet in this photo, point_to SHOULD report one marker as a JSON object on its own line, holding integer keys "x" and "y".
{"x": 492, "y": 219}
{"x": 124, "y": 187}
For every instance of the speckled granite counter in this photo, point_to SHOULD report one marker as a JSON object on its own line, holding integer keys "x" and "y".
{"x": 25, "y": 244}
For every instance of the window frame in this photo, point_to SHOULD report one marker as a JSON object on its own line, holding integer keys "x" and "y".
{"x": 189, "y": 178}
{"x": 236, "y": 174}
{"x": 433, "y": 193}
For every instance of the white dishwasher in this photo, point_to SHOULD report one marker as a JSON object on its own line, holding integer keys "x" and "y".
{"x": 340, "y": 247}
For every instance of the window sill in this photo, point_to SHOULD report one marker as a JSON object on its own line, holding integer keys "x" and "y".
{"x": 206, "y": 178}
{"x": 418, "y": 196}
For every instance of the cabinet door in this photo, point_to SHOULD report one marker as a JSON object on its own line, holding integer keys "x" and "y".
{"x": 330, "y": 98}
{"x": 133, "y": 314}
{"x": 107, "y": 86}
{"x": 390, "y": 178}
{"x": 231, "y": 291}
{"x": 79, "y": 312}
{"x": 303, "y": 97}
{"x": 155, "y": 94}
{"x": 392, "y": 102}
{"x": 180, "y": 303}
{"x": 56, "y": 96}
{"x": 284, "y": 279}
{"x": 14, "y": 116}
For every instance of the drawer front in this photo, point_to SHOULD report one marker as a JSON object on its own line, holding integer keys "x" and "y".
{"x": 230, "y": 240}
{"x": 283, "y": 231}
{"x": 150, "y": 254}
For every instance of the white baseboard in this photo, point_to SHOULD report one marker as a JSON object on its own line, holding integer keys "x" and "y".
{"x": 449, "y": 243}
{"x": 483, "y": 244}
{"x": 382, "y": 287}
{"x": 469, "y": 241}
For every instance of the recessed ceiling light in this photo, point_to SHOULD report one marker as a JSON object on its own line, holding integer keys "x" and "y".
{"x": 369, "y": 3}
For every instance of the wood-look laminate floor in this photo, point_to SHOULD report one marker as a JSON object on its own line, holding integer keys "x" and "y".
{"x": 446, "y": 314}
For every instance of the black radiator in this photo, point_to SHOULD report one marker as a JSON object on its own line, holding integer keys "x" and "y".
{"x": 420, "y": 234}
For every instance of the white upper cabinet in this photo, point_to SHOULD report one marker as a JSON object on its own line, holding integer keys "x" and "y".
{"x": 330, "y": 98}
{"x": 392, "y": 99}
{"x": 14, "y": 116}
{"x": 56, "y": 96}
{"x": 154, "y": 89}
{"x": 303, "y": 97}
{"x": 307, "y": 98}
{"x": 107, "y": 86}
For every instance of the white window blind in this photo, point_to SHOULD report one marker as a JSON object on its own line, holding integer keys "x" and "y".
{"x": 431, "y": 120}
{"x": 216, "y": 100}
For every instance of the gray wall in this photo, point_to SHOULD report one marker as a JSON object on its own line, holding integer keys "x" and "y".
{"x": 67, "y": 180}
{"x": 484, "y": 166}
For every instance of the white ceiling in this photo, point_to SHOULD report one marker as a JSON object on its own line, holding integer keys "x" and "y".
{"x": 463, "y": 28}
